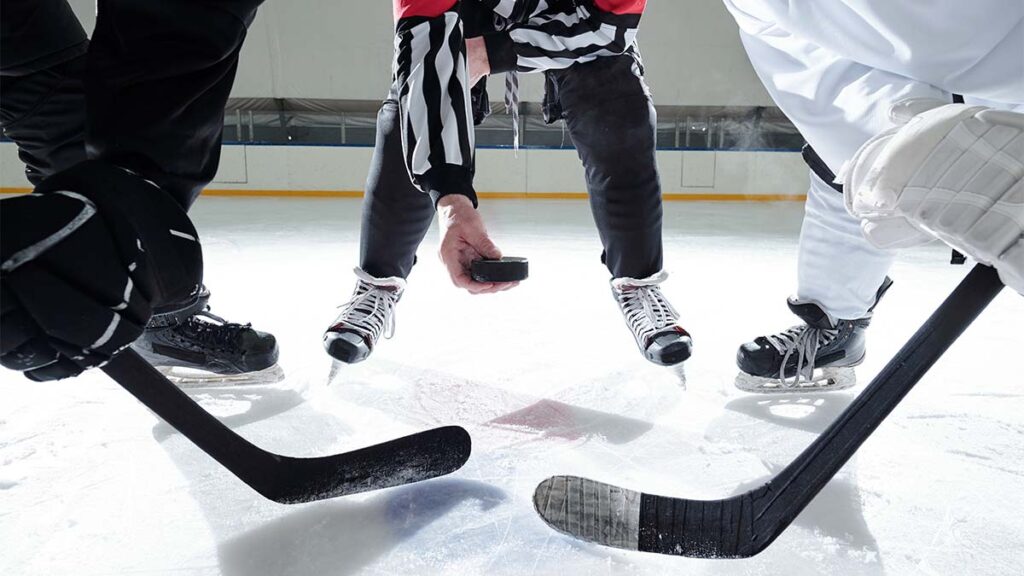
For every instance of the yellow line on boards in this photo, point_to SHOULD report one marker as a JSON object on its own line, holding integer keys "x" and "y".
{"x": 285, "y": 193}
{"x": 672, "y": 197}
{"x": 735, "y": 197}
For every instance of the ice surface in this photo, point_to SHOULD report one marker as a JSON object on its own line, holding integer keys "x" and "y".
{"x": 548, "y": 381}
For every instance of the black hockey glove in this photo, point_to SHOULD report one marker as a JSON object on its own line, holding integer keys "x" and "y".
{"x": 84, "y": 260}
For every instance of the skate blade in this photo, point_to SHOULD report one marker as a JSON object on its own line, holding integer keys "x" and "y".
{"x": 823, "y": 380}
{"x": 334, "y": 376}
{"x": 680, "y": 372}
{"x": 192, "y": 378}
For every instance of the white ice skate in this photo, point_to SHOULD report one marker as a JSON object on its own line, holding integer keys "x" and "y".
{"x": 367, "y": 316}
{"x": 652, "y": 320}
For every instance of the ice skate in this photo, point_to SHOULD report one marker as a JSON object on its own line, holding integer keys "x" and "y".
{"x": 816, "y": 356}
{"x": 206, "y": 350}
{"x": 652, "y": 320}
{"x": 367, "y": 316}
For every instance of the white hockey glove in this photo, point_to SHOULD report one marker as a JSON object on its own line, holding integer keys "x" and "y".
{"x": 951, "y": 171}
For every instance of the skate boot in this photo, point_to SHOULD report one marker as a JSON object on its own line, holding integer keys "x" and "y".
{"x": 367, "y": 316}
{"x": 817, "y": 356}
{"x": 203, "y": 349}
{"x": 652, "y": 320}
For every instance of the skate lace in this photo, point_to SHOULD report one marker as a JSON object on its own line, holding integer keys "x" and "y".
{"x": 218, "y": 333}
{"x": 646, "y": 310}
{"x": 370, "y": 312}
{"x": 804, "y": 341}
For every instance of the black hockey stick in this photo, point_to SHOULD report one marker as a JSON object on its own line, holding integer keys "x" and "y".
{"x": 282, "y": 478}
{"x": 744, "y": 525}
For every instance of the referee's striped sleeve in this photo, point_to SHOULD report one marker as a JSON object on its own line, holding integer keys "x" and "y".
{"x": 434, "y": 104}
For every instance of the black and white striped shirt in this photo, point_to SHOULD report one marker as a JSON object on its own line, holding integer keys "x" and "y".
{"x": 554, "y": 34}
{"x": 431, "y": 79}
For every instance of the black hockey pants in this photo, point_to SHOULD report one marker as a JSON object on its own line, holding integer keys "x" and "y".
{"x": 611, "y": 119}
{"x": 149, "y": 95}
{"x": 43, "y": 112}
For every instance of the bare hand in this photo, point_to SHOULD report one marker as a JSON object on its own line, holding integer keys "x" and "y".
{"x": 476, "y": 58}
{"x": 464, "y": 239}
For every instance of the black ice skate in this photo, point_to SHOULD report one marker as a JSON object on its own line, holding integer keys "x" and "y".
{"x": 367, "y": 316}
{"x": 652, "y": 320}
{"x": 205, "y": 350}
{"x": 817, "y": 356}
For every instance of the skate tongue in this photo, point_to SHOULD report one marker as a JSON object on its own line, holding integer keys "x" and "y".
{"x": 207, "y": 314}
{"x": 626, "y": 283}
{"x": 812, "y": 313}
{"x": 391, "y": 283}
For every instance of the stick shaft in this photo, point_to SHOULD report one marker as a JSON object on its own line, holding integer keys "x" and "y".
{"x": 175, "y": 407}
{"x": 745, "y": 524}
{"x": 809, "y": 473}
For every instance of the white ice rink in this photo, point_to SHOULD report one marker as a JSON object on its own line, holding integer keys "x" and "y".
{"x": 547, "y": 380}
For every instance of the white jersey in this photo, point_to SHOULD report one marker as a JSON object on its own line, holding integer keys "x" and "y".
{"x": 974, "y": 47}
{"x": 843, "y": 62}
{"x": 835, "y": 67}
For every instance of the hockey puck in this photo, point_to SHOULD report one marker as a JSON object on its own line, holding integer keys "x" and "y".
{"x": 508, "y": 269}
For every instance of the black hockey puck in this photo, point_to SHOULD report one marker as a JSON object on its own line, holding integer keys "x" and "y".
{"x": 507, "y": 269}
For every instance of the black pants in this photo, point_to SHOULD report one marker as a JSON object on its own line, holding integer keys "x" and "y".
{"x": 43, "y": 112}
{"x": 158, "y": 78}
{"x": 611, "y": 119}
{"x": 148, "y": 96}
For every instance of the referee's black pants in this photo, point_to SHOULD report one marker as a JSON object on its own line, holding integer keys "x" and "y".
{"x": 611, "y": 119}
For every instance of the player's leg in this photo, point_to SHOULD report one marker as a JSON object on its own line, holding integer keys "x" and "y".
{"x": 840, "y": 274}
{"x": 163, "y": 117}
{"x": 610, "y": 116}
{"x": 834, "y": 302}
{"x": 43, "y": 112}
{"x": 396, "y": 217}
{"x": 122, "y": 262}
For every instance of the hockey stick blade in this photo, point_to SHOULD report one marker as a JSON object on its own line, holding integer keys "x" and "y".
{"x": 285, "y": 479}
{"x": 745, "y": 524}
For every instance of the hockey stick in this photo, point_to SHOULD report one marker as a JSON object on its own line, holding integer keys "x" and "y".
{"x": 744, "y": 525}
{"x": 282, "y": 478}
